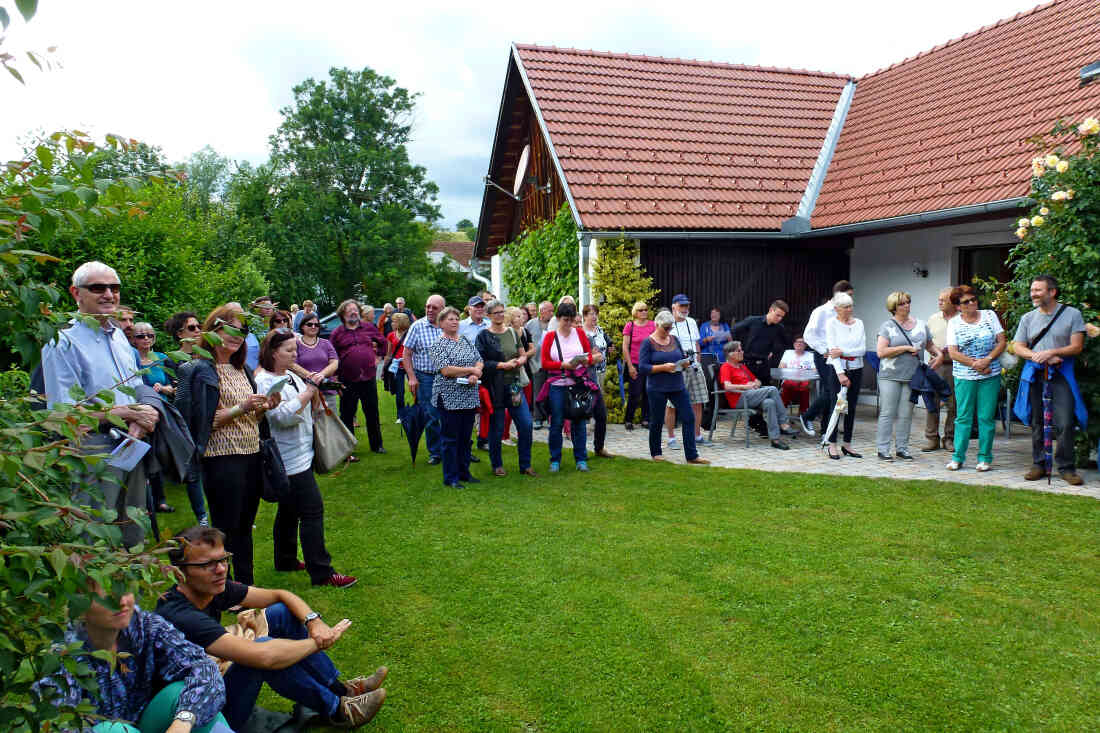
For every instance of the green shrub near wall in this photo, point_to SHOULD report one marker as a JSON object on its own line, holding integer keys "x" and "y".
{"x": 542, "y": 263}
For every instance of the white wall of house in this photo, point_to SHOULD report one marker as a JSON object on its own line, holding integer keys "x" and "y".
{"x": 883, "y": 263}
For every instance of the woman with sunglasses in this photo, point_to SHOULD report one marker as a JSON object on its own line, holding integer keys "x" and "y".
{"x": 503, "y": 356}
{"x": 218, "y": 400}
{"x": 635, "y": 332}
{"x": 280, "y": 319}
{"x": 185, "y": 328}
{"x": 975, "y": 340}
{"x": 152, "y": 362}
{"x": 291, "y": 422}
{"x": 317, "y": 357}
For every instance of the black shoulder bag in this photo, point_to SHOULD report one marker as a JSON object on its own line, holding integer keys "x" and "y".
{"x": 276, "y": 484}
{"x": 581, "y": 402}
{"x": 1039, "y": 337}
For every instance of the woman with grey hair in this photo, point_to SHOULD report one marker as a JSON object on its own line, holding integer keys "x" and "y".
{"x": 901, "y": 340}
{"x": 847, "y": 343}
{"x": 356, "y": 342}
{"x": 662, "y": 361}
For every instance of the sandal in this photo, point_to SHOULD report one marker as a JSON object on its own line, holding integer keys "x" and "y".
{"x": 165, "y": 508}
{"x": 353, "y": 459}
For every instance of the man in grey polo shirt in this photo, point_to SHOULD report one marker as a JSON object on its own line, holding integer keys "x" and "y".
{"x": 1057, "y": 348}
{"x": 96, "y": 359}
{"x": 421, "y": 371}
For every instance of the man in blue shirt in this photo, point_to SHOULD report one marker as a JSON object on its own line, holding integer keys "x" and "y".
{"x": 421, "y": 371}
{"x": 95, "y": 359}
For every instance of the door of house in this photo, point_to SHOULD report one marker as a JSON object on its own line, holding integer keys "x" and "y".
{"x": 984, "y": 263}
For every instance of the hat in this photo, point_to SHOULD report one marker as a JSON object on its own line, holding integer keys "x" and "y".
{"x": 681, "y": 299}
{"x": 475, "y": 300}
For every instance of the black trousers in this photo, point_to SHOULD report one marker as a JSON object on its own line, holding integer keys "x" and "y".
{"x": 855, "y": 379}
{"x": 758, "y": 365}
{"x": 599, "y": 415}
{"x": 828, "y": 387}
{"x": 302, "y": 511}
{"x": 366, "y": 393}
{"x": 637, "y": 397}
{"x": 233, "y": 485}
{"x": 1064, "y": 421}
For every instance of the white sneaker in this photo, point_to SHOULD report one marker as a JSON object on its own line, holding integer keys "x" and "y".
{"x": 983, "y": 467}
{"x": 953, "y": 466}
{"x": 806, "y": 427}
{"x": 673, "y": 444}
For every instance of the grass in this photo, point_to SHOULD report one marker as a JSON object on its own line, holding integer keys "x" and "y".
{"x": 662, "y": 597}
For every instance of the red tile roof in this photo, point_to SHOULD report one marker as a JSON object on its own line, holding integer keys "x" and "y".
{"x": 949, "y": 127}
{"x": 460, "y": 252}
{"x": 654, "y": 143}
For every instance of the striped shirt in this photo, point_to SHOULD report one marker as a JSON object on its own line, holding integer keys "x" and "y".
{"x": 421, "y": 337}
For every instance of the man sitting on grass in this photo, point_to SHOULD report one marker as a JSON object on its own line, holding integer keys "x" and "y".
{"x": 279, "y": 641}
{"x": 743, "y": 388}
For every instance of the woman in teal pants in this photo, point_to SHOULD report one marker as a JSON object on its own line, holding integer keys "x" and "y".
{"x": 976, "y": 340}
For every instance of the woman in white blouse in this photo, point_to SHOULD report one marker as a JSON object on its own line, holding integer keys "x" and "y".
{"x": 291, "y": 425}
{"x": 847, "y": 343}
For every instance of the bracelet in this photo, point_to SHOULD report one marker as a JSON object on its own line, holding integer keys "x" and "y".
{"x": 235, "y": 411}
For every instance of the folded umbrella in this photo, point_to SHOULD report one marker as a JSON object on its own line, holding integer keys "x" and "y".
{"x": 840, "y": 409}
{"x": 1048, "y": 424}
{"x": 414, "y": 418}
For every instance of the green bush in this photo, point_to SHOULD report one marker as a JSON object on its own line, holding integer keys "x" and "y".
{"x": 542, "y": 263}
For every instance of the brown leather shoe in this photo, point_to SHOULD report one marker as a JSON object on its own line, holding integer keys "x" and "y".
{"x": 930, "y": 445}
{"x": 363, "y": 685}
{"x": 1035, "y": 473}
{"x": 1071, "y": 477}
{"x": 699, "y": 461}
{"x": 602, "y": 453}
{"x": 358, "y": 710}
{"x": 529, "y": 472}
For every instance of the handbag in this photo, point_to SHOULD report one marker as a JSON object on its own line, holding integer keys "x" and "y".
{"x": 580, "y": 400}
{"x": 276, "y": 484}
{"x": 332, "y": 441}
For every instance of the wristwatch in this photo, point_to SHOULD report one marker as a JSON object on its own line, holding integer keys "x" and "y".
{"x": 310, "y": 616}
{"x": 185, "y": 716}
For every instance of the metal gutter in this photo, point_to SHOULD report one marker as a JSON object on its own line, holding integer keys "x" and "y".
{"x": 482, "y": 224}
{"x": 856, "y": 228}
{"x": 800, "y": 222}
{"x": 546, "y": 136}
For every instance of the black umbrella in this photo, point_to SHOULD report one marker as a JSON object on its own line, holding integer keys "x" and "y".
{"x": 413, "y": 418}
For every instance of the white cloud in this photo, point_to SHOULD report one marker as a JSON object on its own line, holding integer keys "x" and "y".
{"x": 184, "y": 76}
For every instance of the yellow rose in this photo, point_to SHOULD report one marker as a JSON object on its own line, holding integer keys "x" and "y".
{"x": 1063, "y": 166}
{"x": 1090, "y": 126}
{"x": 1058, "y": 196}
{"x": 1069, "y": 194}
{"x": 1037, "y": 168}
{"x": 1044, "y": 211}
{"x": 1037, "y": 221}
{"x": 1024, "y": 223}
{"x": 1051, "y": 160}
{"x": 1021, "y": 232}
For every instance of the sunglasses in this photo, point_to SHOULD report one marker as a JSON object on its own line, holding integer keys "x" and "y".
{"x": 311, "y": 324}
{"x": 149, "y": 336}
{"x": 968, "y": 301}
{"x": 101, "y": 288}
{"x": 210, "y": 565}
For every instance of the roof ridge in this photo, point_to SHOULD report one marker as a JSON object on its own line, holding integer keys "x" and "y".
{"x": 674, "y": 60}
{"x": 1003, "y": 21}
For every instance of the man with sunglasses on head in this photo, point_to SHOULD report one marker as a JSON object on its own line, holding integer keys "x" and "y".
{"x": 280, "y": 640}
{"x": 95, "y": 359}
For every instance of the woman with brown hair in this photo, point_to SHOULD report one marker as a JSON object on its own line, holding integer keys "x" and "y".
{"x": 217, "y": 398}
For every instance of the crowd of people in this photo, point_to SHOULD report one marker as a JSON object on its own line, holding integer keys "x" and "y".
{"x": 260, "y": 377}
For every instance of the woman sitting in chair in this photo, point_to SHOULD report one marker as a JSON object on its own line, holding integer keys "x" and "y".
{"x": 744, "y": 389}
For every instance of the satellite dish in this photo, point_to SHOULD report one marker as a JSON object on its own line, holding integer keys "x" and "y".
{"x": 521, "y": 170}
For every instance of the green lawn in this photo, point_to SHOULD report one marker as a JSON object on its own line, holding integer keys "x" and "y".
{"x": 663, "y": 597}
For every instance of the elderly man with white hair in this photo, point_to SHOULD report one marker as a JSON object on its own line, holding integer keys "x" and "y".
{"x": 95, "y": 359}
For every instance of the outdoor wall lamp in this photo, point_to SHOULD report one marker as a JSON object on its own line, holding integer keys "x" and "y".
{"x": 919, "y": 271}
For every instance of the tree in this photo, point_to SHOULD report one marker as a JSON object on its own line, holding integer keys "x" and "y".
{"x": 542, "y": 263}
{"x": 468, "y": 227}
{"x": 340, "y": 202}
{"x": 208, "y": 176}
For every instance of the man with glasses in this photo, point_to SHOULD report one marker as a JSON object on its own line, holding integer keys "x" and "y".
{"x": 280, "y": 640}
{"x": 421, "y": 371}
{"x": 686, "y": 331}
{"x": 400, "y": 308}
{"x": 95, "y": 359}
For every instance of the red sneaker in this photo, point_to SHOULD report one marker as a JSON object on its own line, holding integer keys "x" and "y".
{"x": 337, "y": 580}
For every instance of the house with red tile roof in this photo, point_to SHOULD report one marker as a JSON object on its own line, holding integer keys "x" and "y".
{"x": 460, "y": 253}
{"x": 744, "y": 184}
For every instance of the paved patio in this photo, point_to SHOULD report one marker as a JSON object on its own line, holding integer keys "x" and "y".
{"x": 1011, "y": 456}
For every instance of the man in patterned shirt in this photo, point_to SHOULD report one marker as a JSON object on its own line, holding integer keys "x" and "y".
{"x": 421, "y": 371}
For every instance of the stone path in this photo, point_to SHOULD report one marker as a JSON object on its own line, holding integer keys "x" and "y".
{"x": 1011, "y": 456}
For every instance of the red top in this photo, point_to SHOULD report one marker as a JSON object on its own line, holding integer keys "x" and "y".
{"x": 356, "y": 349}
{"x": 548, "y": 363}
{"x": 398, "y": 349}
{"x": 739, "y": 374}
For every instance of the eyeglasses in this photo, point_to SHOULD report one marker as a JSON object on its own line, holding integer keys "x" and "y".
{"x": 497, "y": 313}
{"x": 101, "y": 288}
{"x": 209, "y": 565}
{"x": 968, "y": 301}
{"x": 149, "y": 336}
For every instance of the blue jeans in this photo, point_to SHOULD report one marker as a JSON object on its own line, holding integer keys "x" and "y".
{"x": 457, "y": 425}
{"x": 424, "y": 397}
{"x": 521, "y": 416}
{"x": 306, "y": 681}
{"x": 558, "y": 397}
{"x": 682, "y": 403}
{"x": 194, "y": 488}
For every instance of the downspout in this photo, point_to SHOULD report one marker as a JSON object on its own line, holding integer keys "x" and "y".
{"x": 474, "y": 264}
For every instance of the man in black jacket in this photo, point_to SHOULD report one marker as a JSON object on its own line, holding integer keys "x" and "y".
{"x": 764, "y": 340}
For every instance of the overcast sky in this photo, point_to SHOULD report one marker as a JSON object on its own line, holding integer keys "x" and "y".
{"x": 184, "y": 75}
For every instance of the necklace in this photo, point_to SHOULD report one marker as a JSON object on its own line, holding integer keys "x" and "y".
{"x": 315, "y": 340}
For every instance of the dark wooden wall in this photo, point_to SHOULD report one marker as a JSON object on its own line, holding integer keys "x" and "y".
{"x": 743, "y": 277}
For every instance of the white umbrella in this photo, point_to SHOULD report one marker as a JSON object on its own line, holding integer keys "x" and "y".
{"x": 840, "y": 409}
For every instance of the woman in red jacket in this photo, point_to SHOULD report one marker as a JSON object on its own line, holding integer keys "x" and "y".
{"x": 566, "y": 357}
